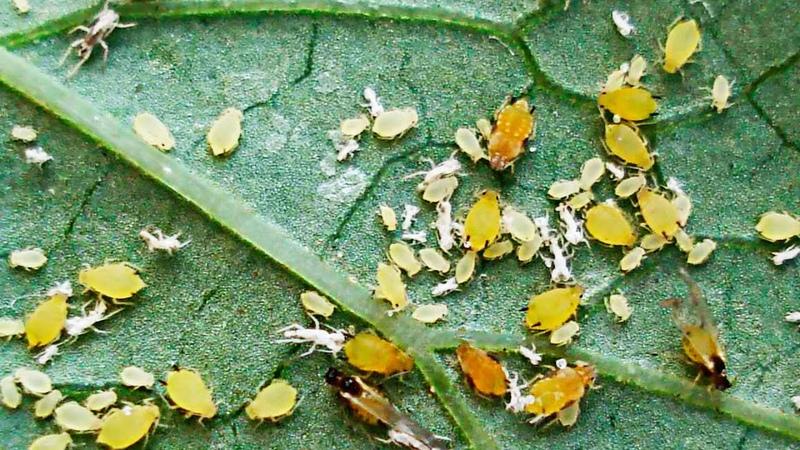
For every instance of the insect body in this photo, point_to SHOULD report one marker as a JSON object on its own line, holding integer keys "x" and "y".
{"x": 629, "y": 103}
{"x": 559, "y": 390}
{"x": 607, "y": 223}
{"x": 72, "y": 416}
{"x": 682, "y": 41}
{"x": 297, "y": 334}
{"x": 136, "y": 377}
{"x": 370, "y": 353}
{"x": 44, "y": 325}
{"x": 274, "y": 402}
{"x": 483, "y": 372}
{"x": 720, "y": 93}
{"x": 44, "y": 406}
{"x": 514, "y": 125}
{"x": 57, "y": 441}
{"x": 28, "y": 259}
{"x": 188, "y": 392}
{"x": 700, "y": 335}
{"x": 551, "y": 309}
{"x": 482, "y": 225}
{"x": 372, "y": 407}
{"x": 103, "y": 24}
{"x": 124, "y": 427}
{"x": 116, "y": 281}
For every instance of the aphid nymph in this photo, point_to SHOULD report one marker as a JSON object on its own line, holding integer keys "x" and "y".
{"x": 103, "y": 24}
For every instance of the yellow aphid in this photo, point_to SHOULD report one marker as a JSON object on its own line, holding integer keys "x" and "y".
{"x": 57, "y": 441}
{"x": 630, "y": 186}
{"x": 33, "y": 381}
{"x": 403, "y": 257}
{"x": 11, "y": 327}
{"x": 45, "y": 323}
{"x": 483, "y": 372}
{"x": 618, "y": 305}
{"x": 636, "y": 70}
{"x": 434, "y": 260}
{"x": 153, "y": 131}
{"x": 659, "y": 213}
{"x": 394, "y": 123}
{"x": 513, "y": 126}
{"x": 316, "y": 304}
{"x": 72, "y": 416}
{"x": 581, "y": 200}
{"x": 591, "y": 172}
{"x": 9, "y": 392}
{"x": 430, "y": 313}
{"x": 223, "y": 137}
{"x": 701, "y": 252}
{"x": 370, "y": 353}
{"x": 563, "y": 188}
{"x": 45, "y": 406}
{"x": 551, "y": 309}
{"x": 628, "y": 144}
{"x": 136, "y": 378}
{"x": 652, "y": 242}
{"x": 720, "y": 93}
{"x": 391, "y": 286}
{"x": 440, "y": 189}
{"x": 520, "y": 226}
{"x": 274, "y": 402}
{"x": 23, "y": 133}
{"x": 28, "y": 259}
{"x": 484, "y": 127}
{"x": 559, "y": 390}
{"x": 629, "y": 103}
{"x": 101, "y": 400}
{"x": 124, "y": 427}
{"x": 188, "y": 392}
{"x": 527, "y": 250}
{"x": 469, "y": 144}
{"x": 607, "y": 223}
{"x": 563, "y": 335}
{"x": 482, "y": 225}
{"x": 682, "y": 41}
{"x": 355, "y": 126}
{"x": 465, "y": 267}
{"x": 388, "y": 217}
{"x": 684, "y": 241}
{"x": 498, "y": 250}
{"x": 116, "y": 281}
{"x": 774, "y": 226}
{"x": 632, "y": 259}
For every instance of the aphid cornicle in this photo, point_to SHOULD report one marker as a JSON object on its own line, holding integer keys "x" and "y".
{"x": 483, "y": 372}
{"x": 514, "y": 124}
{"x": 700, "y": 335}
{"x": 683, "y": 40}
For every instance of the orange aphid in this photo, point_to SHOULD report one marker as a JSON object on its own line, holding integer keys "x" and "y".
{"x": 514, "y": 124}
{"x": 370, "y": 353}
{"x": 559, "y": 389}
{"x": 483, "y": 372}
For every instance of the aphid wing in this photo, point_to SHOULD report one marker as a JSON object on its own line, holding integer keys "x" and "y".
{"x": 699, "y": 304}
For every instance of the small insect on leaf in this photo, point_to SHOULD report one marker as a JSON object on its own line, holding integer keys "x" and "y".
{"x": 632, "y": 259}
{"x": 10, "y": 328}
{"x": 153, "y": 131}
{"x": 559, "y": 389}
{"x": 484, "y": 127}
{"x": 701, "y": 252}
{"x": 394, "y": 123}
{"x": 45, "y": 323}
{"x": 441, "y": 189}
{"x": 45, "y": 406}
{"x": 9, "y": 392}
{"x": 116, "y": 281}
{"x": 388, "y": 217}
{"x": 468, "y": 143}
{"x": 551, "y": 309}
{"x": 101, "y": 400}
{"x": 660, "y": 215}
{"x": 652, "y": 242}
{"x": 607, "y": 223}
{"x": 124, "y": 427}
{"x": 370, "y": 353}
{"x": 623, "y": 22}
{"x": 273, "y": 403}
{"x": 630, "y": 186}
{"x": 580, "y": 200}
{"x": 636, "y": 71}
{"x": 391, "y": 286}
{"x": 720, "y": 93}
{"x": 430, "y": 313}
{"x": 23, "y": 133}
{"x": 223, "y": 137}
{"x": 188, "y": 392}
{"x": 482, "y": 371}
{"x": 354, "y": 127}
{"x": 683, "y": 40}
{"x": 563, "y": 189}
{"x": 28, "y": 259}
{"x": 136, "y": 378}
{"x": 617, "y": 305}
{"x": 498, "y": 250}
{"x": 563, "y": 335}
{"x": 774, "y": 226}
{"x": 56, "y": 441}
{"x": 466, "y": 267}
{"x": 482, "y": 225}
{"x": 403, "y": 257}
{"x": 614, "y": 81}
{"x": 434, "y": 260}
{"x": 527, "y": 250}
{"x": 684, "y": 241}
{"x": 72, "y": 416}
{"x": 591, "y": 172}
{"x": 514, "y": 125}
{"x": 626, "y": 143}
{"x": 33, "y": 381}
{"x": 629, "y": 103}
{"x": 520, "y": 226}
{"x": 316, "y": 304}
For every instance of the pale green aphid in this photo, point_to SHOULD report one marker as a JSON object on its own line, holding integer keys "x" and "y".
{"x": 684, "y": 241}
{"x": 629, "y": 186}
{"x": 136, "y": 377}
{"x": 9, "y": 392}
{"x": 683, "y": 204}
{"x": 11, "y": 327}
{"x": 28, "y": 258}
{"x": 394, "y": 123}
{"x": 518, "y": 225}
{"x": 618, "y": 305}
{"x": 652, "y": 242}
{"x": 388, "y": 217}
{"x": 465, "y": 267}
{"x": 391, "y": 286}
{"x": 683, "y": 40}
{"x": 153, "y": 131}
{"x": 580, "y": 200}
{"x": 57, "y": 441}
{"x": 484, "y": 127}
{"x": 469, "y": 144}
{"x": 434, "y": 260}
{"x": 223, "y": 137}
{"x": 24, "y": 134}
{"x": 274, "y": 402}
{"x": 116, "y": 281}
{"x": 720, "y": 93}
{"x": 403, "y": 257}
{"x": 430, "y": 313}
{"x": 774, "y": 226}
{"x": 33, "y": 381}
{"x": 636, "y": 70}
{"x": 701, "y": 252}
{"x": 316, "y": 304}
{"x": 528, "y": 249}
{"x": 44, "y": 407}
{"x": 440, "y": 189}
{"x": 355, "y": 126}
{"x": 101, "y": 400}
{"x": 632, "y": 259}
{"x": 498, "y": 249}
{"x": 72, "y": 416}
{"x": 614, "y": 81}
{"x": 564, "y": 188}
{"x": 591, "y": 172}
{"x": 563, "y": 335}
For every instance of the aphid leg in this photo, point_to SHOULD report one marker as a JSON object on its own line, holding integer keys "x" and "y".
{"x": 105, "y": 49}
{"x": 80, "y": 63}
{"x": 125, "y": 25}
{"x": 75, "y": 43}
{"x": 83, "y": 28}
{"x": 309, "y": 351}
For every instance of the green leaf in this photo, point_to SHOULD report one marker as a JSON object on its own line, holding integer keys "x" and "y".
{"x": 267, "y": 223}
